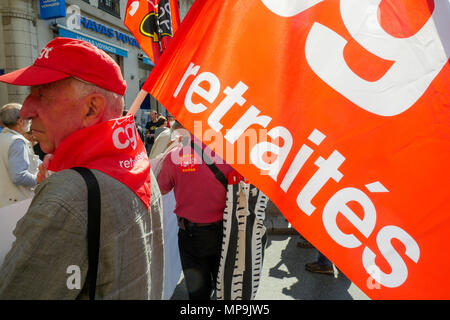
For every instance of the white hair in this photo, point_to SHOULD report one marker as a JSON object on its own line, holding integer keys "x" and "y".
{"x": 10, "y": 114}
{"x": 114, "y": 102}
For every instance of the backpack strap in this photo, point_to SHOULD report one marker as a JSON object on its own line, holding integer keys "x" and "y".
{"x": 211, "y": 165}
{"x": 93, "y": 227}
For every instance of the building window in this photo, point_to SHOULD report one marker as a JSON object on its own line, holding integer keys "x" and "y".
{"x": 110, "y": 6}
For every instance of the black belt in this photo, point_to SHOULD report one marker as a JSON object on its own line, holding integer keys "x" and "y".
{"x": 184, "y": 223}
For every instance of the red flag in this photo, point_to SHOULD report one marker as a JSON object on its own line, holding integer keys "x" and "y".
{"x": 339, "y": 112}
{"x": 152, "y": 22}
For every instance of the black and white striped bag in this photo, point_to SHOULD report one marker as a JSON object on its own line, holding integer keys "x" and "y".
{"x": 244, "y": 240}
{"x": 244, "y": 236}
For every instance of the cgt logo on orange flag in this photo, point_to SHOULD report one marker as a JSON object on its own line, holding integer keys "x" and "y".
{"x": 152, "y": 22}
{"x": 339, "y": 112}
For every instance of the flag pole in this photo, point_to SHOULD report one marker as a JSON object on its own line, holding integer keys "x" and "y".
{"x": 137, "y": 102}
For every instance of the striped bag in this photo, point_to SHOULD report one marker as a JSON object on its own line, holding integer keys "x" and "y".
{"x": 244, "y": 235}
{"x": 244, "y": 240}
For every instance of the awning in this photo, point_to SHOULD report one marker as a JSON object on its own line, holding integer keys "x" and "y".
{"x": 147, "y": 60}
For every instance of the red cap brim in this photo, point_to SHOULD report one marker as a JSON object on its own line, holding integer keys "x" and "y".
{"x": 33, "y": 76}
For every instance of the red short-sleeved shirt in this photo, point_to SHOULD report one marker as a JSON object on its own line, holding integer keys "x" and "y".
{"x": 199, "y": 196}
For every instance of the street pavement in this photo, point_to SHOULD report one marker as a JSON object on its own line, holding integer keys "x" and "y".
{"x": 284, "y": 276}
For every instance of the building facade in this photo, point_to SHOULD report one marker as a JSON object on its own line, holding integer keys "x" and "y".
{"x": 25, "y": 29}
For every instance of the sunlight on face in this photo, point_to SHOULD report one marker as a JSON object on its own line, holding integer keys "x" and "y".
{"x": 55, "y": 111}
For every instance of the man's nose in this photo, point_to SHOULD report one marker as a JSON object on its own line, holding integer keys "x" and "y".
{"x": 28, "y": 110}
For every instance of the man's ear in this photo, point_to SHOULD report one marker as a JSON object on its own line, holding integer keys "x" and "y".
{"x": 94, "y": 109}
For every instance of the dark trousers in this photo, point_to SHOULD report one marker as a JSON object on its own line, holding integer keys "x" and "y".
{"x": 200, "y": 249}
{"x": 148, "y": 148}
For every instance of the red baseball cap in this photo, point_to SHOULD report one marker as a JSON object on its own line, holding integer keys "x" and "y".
{"x": 64, "y": 57}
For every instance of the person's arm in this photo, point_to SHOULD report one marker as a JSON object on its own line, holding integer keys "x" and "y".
{"x": 165, "y": 177}
{"x": 18, "y": 165}
{"x": 160, "y": 145}
{"x": 50, "y": 244}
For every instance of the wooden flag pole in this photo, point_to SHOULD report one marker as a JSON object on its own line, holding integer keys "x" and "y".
{"x": 137, "y": 102}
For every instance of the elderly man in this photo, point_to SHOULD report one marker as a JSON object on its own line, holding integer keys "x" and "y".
{"x": 75, "y": 103}
{"x": 18, "y": 164}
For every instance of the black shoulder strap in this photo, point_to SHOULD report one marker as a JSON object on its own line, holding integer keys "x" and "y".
{"x": 211, "y": 165}
{"x": 93, "y": 227}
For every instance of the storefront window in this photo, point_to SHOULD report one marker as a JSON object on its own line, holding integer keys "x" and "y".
{"x": 110, "y": 6}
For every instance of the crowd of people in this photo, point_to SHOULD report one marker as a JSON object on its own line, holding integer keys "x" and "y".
{"x": 73, "y": 111}
{"x": 69, "y": 121}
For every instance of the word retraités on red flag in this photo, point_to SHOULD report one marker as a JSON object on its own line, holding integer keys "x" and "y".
{"x": 339, "y": 111}
{"x": 153, "y": 23}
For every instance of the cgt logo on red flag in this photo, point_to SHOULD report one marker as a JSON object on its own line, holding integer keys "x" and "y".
{"x": 339, "y": 112}
{"x": 126, "y": 158}
{"x": 141, "y": 19}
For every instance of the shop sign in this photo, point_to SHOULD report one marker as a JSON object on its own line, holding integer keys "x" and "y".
{"x": 107, "y": 31}
{"x": 50, "y": 9}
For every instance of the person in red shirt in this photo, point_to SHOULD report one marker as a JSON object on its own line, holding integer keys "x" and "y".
{"x": 200, "y": 203}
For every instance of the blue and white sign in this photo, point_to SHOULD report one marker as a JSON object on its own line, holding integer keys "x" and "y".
{"x": 107, "y": 31}
{"x": 99, "y": 44}
{"x": 50, "y": 9}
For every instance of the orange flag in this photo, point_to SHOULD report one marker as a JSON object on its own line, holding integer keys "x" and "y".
{"x": 153, "y": 23}
{"x": 339, "y": 111}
